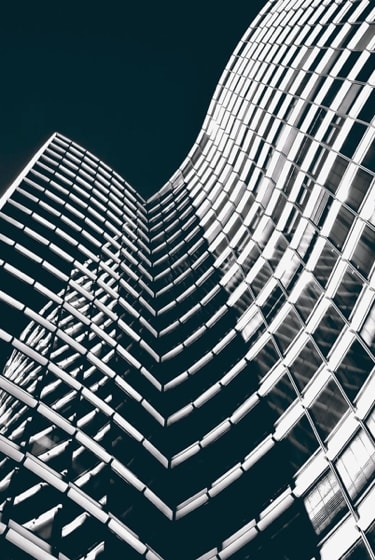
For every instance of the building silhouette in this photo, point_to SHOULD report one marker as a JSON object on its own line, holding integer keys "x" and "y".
{"x": 192, "y": 376}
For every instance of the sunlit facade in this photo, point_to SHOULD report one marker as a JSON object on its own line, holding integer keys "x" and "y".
{"x": 192, "y": 376}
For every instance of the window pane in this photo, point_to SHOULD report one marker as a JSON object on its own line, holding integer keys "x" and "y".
{"x": 358, "y": 189}
{"x": 307, "y": 299}
{"x": 328, "y": 330}
{"x": 363, "y": 256}
{"x": 348, "y": 291}
{"x": 302, "y": 442}
{"x": 354, "y": 369}
{"x": 328, "y": 409}
{"x": 325, "y": 503}
{"x": 288, "y": 330}
{"x": 356, "y": 465}
{"x": 305, "y": 365}
{"x": 341, "y": 227}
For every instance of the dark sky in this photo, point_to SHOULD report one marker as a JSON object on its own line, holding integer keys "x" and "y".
{"x": 130, "y": 81}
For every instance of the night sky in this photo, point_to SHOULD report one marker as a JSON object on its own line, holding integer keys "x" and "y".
{"x": 131, "y": 82}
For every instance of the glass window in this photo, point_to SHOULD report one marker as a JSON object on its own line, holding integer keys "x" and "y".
{"x": 353, "y": 139}
{"x": 328, "y": 330}
{"x": 348, "y": 65}
{"x": 356, "y": 465}
{"x": 354, "y": 369}
{"x": 348, "y": 291}
{"x": 367, "y": 111}
{"x": 302, "y": 443}
{"x": 325, "y": 503}
{"x": 337, "y": 171}
{"x": 328, "y": 409}
{"x": 292, "y": 176}
{"x": 366, "y": 37}
{"x": 358, "y": 188}
{"x": 307, "y": 299}
{"x": 368, "y": 329}
{"x": 279, "y": 207}
{"x": 306, "y": 241}
{"x": 288, "y": 330}
{"x": 363, "y": 256}
{"x": 325, "y": 264}
{"x": 267, "y": 358}
{"x": 317, "y": 120}
{"x": 332, "y": 92}
{"x": 369, "y": 159}
{"x": 370, "y": 534}
{"x": 333, "y": 130}
{"x": 273, "y": 303}
{"x": 303, "y": 194}
{"x": 306, "y": 364}
{"x": 282, "y": 395}
{"x": 302, "y": 152}
{"x": 357, "y": 552}
{"x": 292, "y": 222}
{"x": 261, "y": 278}
{"x": 322, "y": 207}
{"x": 288, "y": 268}
{"x": 340, "y": 228}
{"x": 350, "y": 97}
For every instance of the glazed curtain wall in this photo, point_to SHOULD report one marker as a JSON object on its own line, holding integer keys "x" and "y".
{"x": 192, "y": 376}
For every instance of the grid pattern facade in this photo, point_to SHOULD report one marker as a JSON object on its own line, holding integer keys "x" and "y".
{"x": 192, "y": 376}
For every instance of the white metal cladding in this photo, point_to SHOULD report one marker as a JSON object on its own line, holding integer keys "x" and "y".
{"x": 192, "y": 376}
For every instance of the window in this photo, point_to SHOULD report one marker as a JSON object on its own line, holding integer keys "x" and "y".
{"x": 328, "y": 409}
{"x": 354, "y": 369}
{"x": 356, "y": 465}
{"x": 328, "y": 330}
{"x": 368, "y": 329}
{"x": 353, "y": 139}
{"x": 288, "y": 330}
{"x": 307, "y": 299}
{"x": 302, "y": 442}
{"x": 338, "y": 169}
{"x": 282, "y": 395}
{"x": 325, "y": 264}
{"x": 367, "y": 112}
{"x": 363, "y": 256}
{"x": 369, "y": 159}
{"x": 340, "y": 228}
{"x": 348, "y": 291}
{"x": 358, "y": 188}
{"x": 325, "y": 503}
{"x": 267, "y": 357}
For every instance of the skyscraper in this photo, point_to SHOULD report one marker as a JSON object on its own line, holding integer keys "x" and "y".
{"x": 192, "y": 376}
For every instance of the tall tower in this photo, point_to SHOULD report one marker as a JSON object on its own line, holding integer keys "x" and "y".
{"x": 192, "y": 376}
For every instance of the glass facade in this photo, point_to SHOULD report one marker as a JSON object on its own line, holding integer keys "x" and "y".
{"x": 192, "y": 376}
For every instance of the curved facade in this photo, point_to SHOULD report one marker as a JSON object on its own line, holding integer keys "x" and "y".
{"x": 192, "y": 376}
